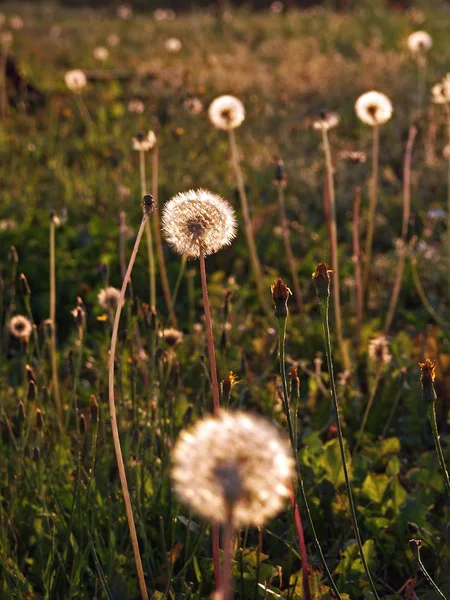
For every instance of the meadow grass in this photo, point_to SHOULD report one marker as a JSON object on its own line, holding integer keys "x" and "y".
{"x": 64, "y": 531}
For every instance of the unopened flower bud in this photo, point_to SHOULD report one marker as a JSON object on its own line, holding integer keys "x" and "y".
{"x": 280, "y": 296}
{"x": 427, "y": 379}
{"x": 322, "y": 281}
{"x": 39, "y": 419}
{"x": 31, "y": 391}
{"x": 24, "y": 283}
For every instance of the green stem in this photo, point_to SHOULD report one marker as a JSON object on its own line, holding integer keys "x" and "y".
{"x": 415, "y": 548}
{"x": 281, "y": 340}
{"x": 323, "y": 305}
{"x": 421, "y": 292}
{"x": 369, "y": 406}
{"x": 437, "y": 441}
{"x": 447, "y": 110}
{"x": 54, "y": 362}
{"x": 148, "y": 233}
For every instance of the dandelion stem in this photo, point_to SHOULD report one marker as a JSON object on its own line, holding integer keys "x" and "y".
{"x": 227, "y": 553}
{"x": 372, "y": 207}
{"x": 357, "y": 259}
{"x": 301, "y": 542}
{"x": 178, "y": 282}
{"x": 421, "y": 292}
{"x": 373, "y": 391}
{"x": 334, "y": 249}
{"x": 84, "y": 111}
{"x": 254, "y": 261}
{"x": 281, "y": 346}
{"x": 148, "y": 233}
{"x": 112, "y": 409}
{"x": 324, "y": 308}
{"x": 288, "y": 248}
{"x": 415, "y": 546}
{"x": 437, "y": 441}
{"x": 159, "y": 245}
{"x": 56, "y": 391}
{"x": 447, "y": 110}
{"x": 403, "y": 245}
{"x": 216, "y": 399}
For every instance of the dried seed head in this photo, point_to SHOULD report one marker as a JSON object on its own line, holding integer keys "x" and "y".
{"x": 20, "y": 327}
{"x": 280, "y": 296}
{"x": 75, "y": 80}
{"x": 226, "y": 112}
{"x": 379, "y": 350}
{"x": 233, "y": 462}
{"x": 172, "y": 336}
{"x": 198, "y": 219}
{"x": 373, "y": 108}
{"x": 415, "y": 546}
{"x": 427, "y": 380}
{"x": 419, "y": 42}
{"x": 108, "y": 298}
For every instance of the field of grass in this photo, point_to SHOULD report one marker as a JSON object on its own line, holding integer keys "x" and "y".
{"x": 68, "y": 167}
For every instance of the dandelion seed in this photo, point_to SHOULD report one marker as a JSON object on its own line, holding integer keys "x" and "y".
{"x": 144, "y": 142}
{"x": 441, "y": 91}
{"x": 193, "y": 106}
{"x": 373, "y": 108}
{"x": 172, "y": 44}
{"x": 136, "y": 107}
{"x": 172, "y": 336}
{"x": 100, "y": 53}
{"x": 235, "y": 461}
{"x": 108, "y": 298}
{"x": 20, "y": 326}
{"x": 327, "y": 120}
{"x": 226, "y": 112}
{"x": 75, "y": 80}
{"x": 379, "y": 350}
{"x": 198, "y": 219}
{"x": 420, "y": 42}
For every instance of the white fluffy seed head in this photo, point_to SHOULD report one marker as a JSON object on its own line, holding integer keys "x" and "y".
{"x": 235, "y": 461}
{"x": 20, "y": 326}
{"x": 108, "y": 298}
{"x": 198, "y": 219}
{"x": 441, "y": 91}
{"x": 75, "y": 80}
{"x": 419, "y": 42}
{"x": 379, "y": 350}
{"x": 144, "y": 142}
{"x": 373, "y": 108}
{"x": 100, "y": 53}
{"x": 327, "y": 121}
{"x": 226, "y": 112}
{"x": 172, "y": 44}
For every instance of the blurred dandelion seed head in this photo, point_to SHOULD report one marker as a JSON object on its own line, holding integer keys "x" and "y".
{"x": 100, "y": 53}
{"x": 193, "y": 106}
{"x": 136, "y": 107}
{"x": 373, "y": 108}
{"x": 172, "y": 44}
{"x": 20, "y": 326}
{"x": 420, "y": 42}
{"x": 172, "y": 336}
{"x": 235, "y": 461}
{"x": 108, "y": 298}
{"x": 75, "y": 80}
{"x": 16, "y": 22}
{"x": 113, "y": 40}
{"x": 125, "y": 12}
{"x": 198, "y": 218}
{"x": 226, "y": 112}
{"x": 6, "y": 40}
{"x": 441, "y": 91}
{"x": 327, "y": 121}
{"x": 379, "y": 350}
{"x": 144, "y": 142}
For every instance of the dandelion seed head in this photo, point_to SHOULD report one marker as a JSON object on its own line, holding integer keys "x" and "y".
{"x": 172, "y": 44}
{"x": 144, "y": 142}
{"x": 379, "y": 350}
{"x": 193, "y": 106}
{"x": 198, "y": 218}
{"x": 125, "y": 12}
{"x": 108, "y": 298}
{"x": 441, "y": 91}
{"x": 16, "y": 22}
{"x": 236, "y": 459}
{"x": 75, "y": 80}
{"x": 6, "y": 39}
{"x": 100, "y": 53}
{"x": 20, "y": 326}
{"x": 136, "y": 107}
{"x": 327, "y": 121}
{"x": 226, "y": 112}
{"x": 420, "y": 42}
{"x": 172, "y": 336}
{"x": 113, "y": 40}
{"x": 373, "y": 108}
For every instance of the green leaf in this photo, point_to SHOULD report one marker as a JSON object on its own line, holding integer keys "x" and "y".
{"x": 374, "y": 487}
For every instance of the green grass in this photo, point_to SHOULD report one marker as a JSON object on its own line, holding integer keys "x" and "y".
{"x": 63, "y": 529}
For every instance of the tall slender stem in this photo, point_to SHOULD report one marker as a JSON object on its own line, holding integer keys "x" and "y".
{"x": 447, "y": 109}
{"x": 216, "y": 400}
{"x": 159, "y": 244}
{"x": 334, "y": 250}
{"x": 56, "y": 391}
{"x": 324, "y": 306}
{"x": 415, "y": 546}
{"x": 357, "y": 259}
{"x": 248, "y": 227}
{"x": 227, "y": 554}
{"x": 288, "y": 248}
{"x": 437, "y": 443}
{"x": 301, "y": 542}
{"x": 373, "y": 391}
{"x": 281, "y": 349}
{"x": 84, "y": 111}
{"x": 421, "y": 292}
{"x": 403, "y": 242}
{"x": 112, "y": 410}
{"x": 372, "y": 207}
{"x": 148, "y": 233}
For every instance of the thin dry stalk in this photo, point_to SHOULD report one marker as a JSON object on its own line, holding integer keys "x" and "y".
{"x": 357, "y": 260}
{"x": 227, "y": 553}
{"x": 248, "y": 227}
{"x": 112, "y": 410}
{"x": 159, "y": 244}
{"x": 403, "y": 244}
{"x": 148, "y": 233}
{"x": 288, "y": 248}
{"x": 301, "y": 541}
{"x": 372, "y": 207}
{"x": 334, "y": 250}
{"x": 122, "y": 234}
{"x": 56, "y": 391}
{"x": 421, "y": 292}
{"x": 447, "y": 109}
